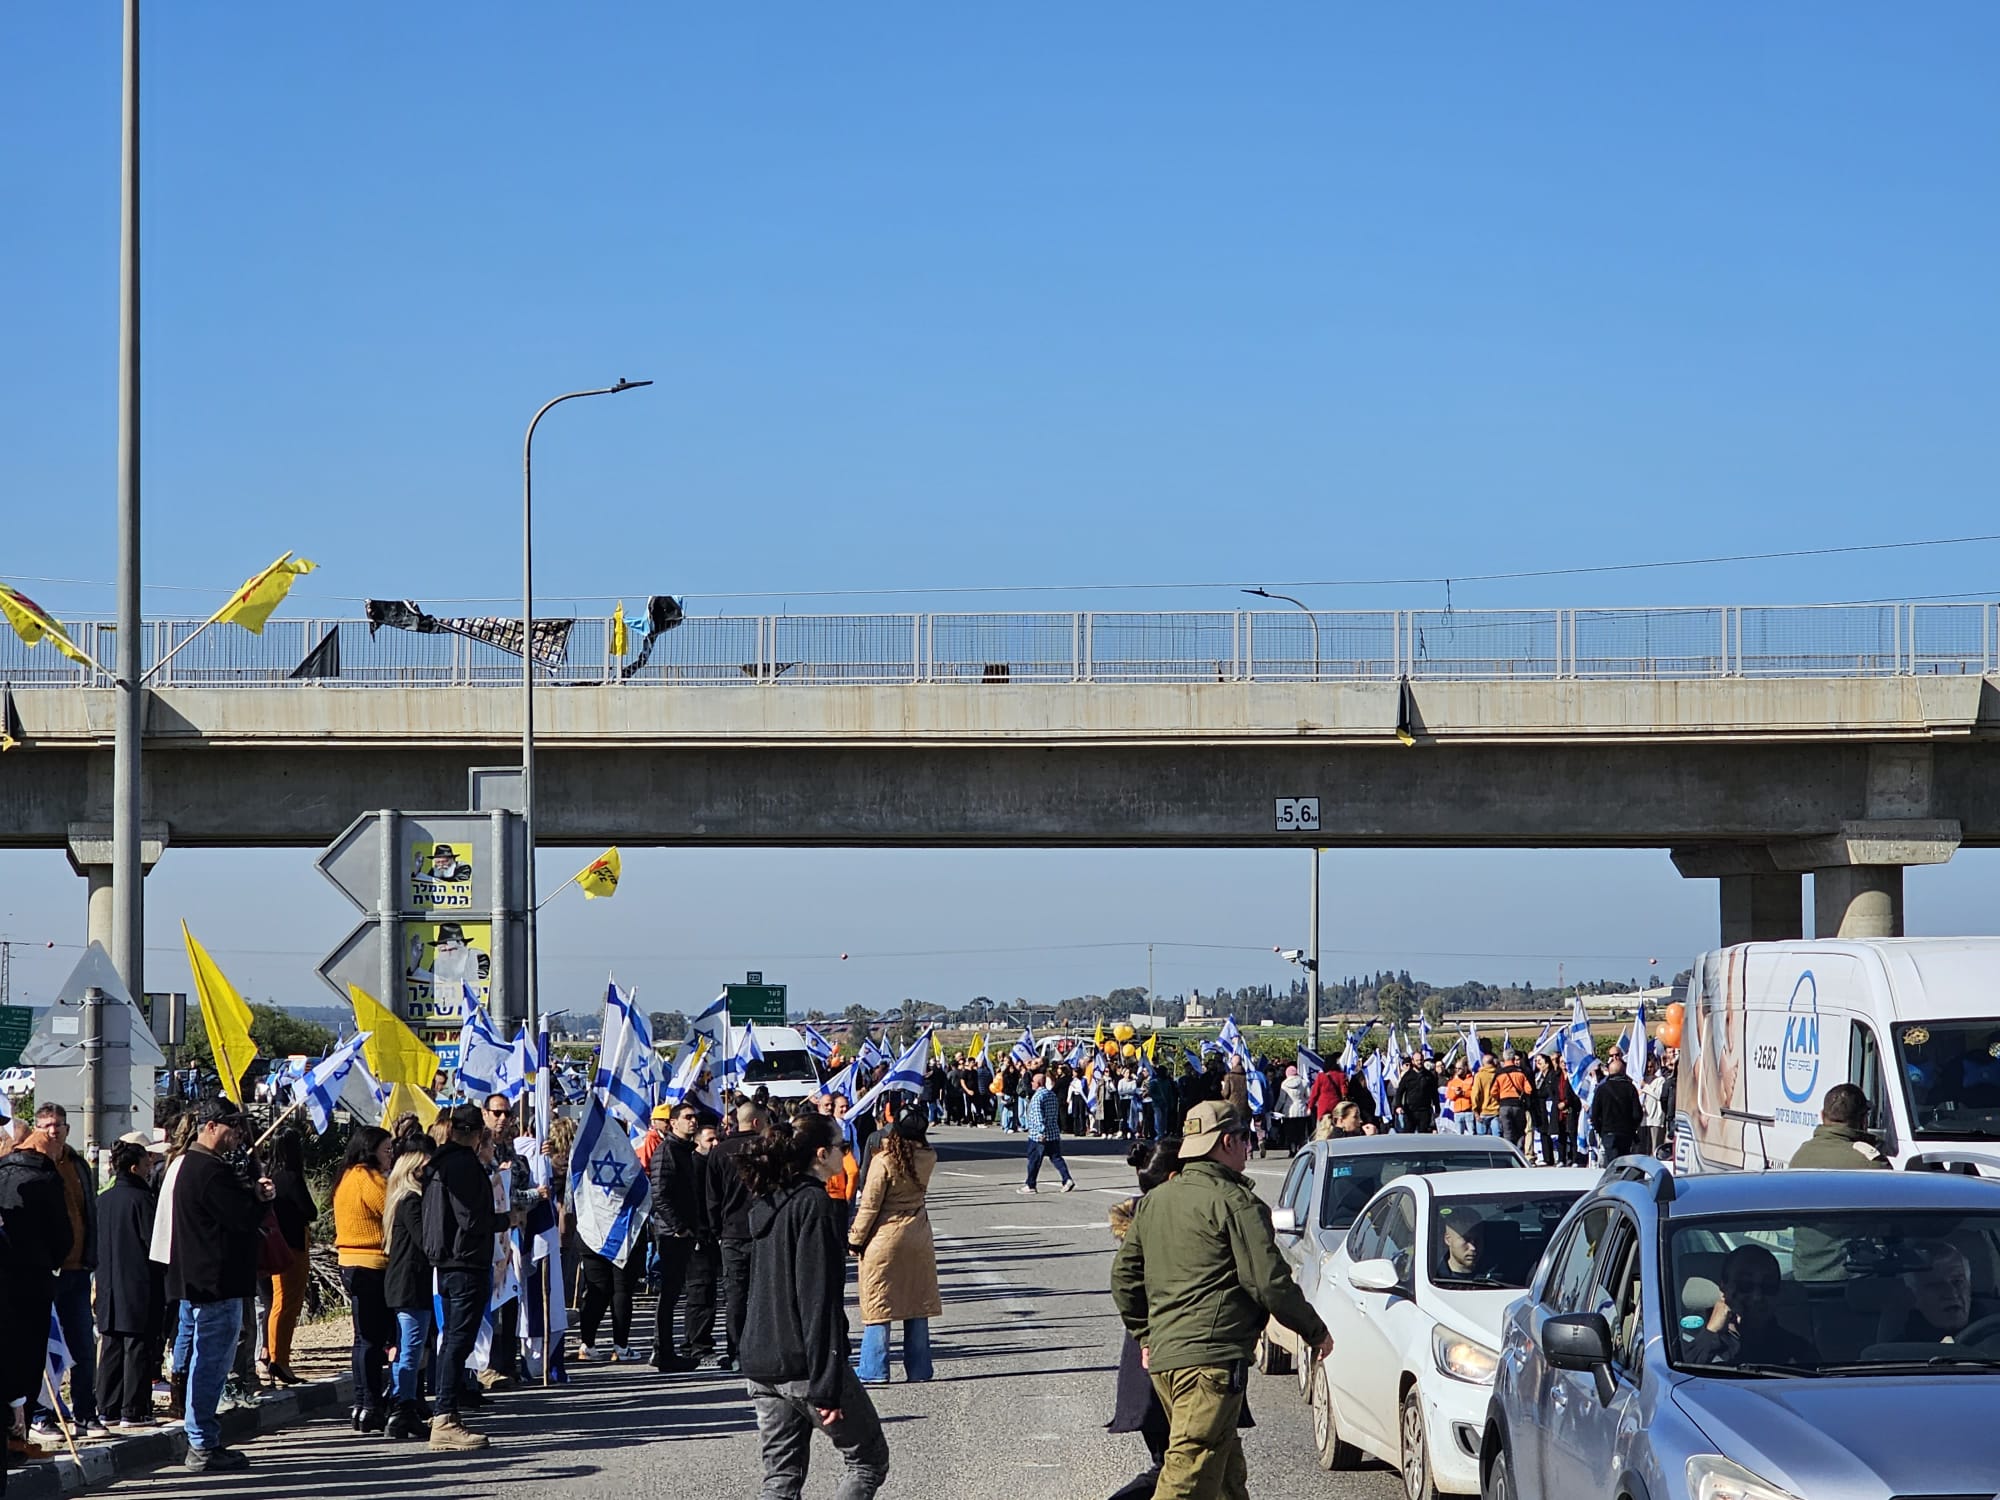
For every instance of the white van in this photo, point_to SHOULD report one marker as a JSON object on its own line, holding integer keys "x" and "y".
{"x": 1770, "y": 1027}
{"x": 786, "y": 1068}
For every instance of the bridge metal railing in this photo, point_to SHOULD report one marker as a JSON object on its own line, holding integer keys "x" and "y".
{"x": 1602, "y": 643}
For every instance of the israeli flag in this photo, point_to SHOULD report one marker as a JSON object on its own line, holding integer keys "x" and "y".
{"x": 717, "y": 1008}
{"x": 1310, "y": 1065}
{"x": 59, "y": 1355}
{"x": 1230, "y": 1040}
{"x": 485, "y": 1061}
{"x": 1472, "y": 1042}
{"x": 626, "y": 1074}
{"x": 319, "y": 1091}
{"x": 1548, "y": 1030}
{"x": 686, "y": 1072}
{"x": 1378, "y": 1084}
{"x": 1424, "y": 1032}
{"x": 737, "y": 1063}
{"x": 1349, "y": 1058}
{"x": 608, "y": 1193}
{"x": 841, "y": 1083}
{"x": 1025, "y": 1051}
{"x": 545, "y": 1083}
{"x": 1578, "y": 1051}
{"x": 820, "y": 1048}
{"x": 906, "y": 1076}
{"x": 871, "y": 1055}
{"x": 366, "y": 1098}
{"x": 1635, "y": 1050}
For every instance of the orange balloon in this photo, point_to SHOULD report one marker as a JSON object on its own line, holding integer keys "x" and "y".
{"x": 1676, "y": 1013}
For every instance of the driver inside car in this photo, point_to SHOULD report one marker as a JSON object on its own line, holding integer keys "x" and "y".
{"x": 1464, "y": 1243}
{"x": 1743, "y": 1327}
{"x": 1942, "y": 1305}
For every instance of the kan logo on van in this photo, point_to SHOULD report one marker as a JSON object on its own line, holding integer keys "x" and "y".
{"x": 1798, "y": 1065}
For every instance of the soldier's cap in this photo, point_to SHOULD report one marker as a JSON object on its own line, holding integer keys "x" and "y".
{"x": 1207, "y": 1123}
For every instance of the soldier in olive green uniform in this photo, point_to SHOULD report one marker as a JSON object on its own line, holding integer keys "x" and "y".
{"x": 1841, "y": 1142}
{"x": 1198, "y": 1276}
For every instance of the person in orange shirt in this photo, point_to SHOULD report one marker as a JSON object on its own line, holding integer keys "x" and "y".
{"x": 1458, "y": 1093}
{"x": 650, "y": 1142}
{"x": 844, "y": 1186}
{"x": 358, "y": 1199}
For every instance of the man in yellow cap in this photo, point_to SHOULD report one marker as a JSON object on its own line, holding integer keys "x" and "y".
{"x": 1197, "y": 1278}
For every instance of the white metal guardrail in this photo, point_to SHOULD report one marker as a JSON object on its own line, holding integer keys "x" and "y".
{"x": 1651, "y": 644}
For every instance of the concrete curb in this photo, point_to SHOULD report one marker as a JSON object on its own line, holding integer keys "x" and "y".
{"x": 106, "y": 1461}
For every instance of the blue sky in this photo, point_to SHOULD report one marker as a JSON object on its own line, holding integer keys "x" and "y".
{"x": 933, "y": 297}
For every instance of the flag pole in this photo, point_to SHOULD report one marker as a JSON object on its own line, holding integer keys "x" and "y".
{"x": 148, "y": 677}
{"x": 548, "y": 1316}
{"x": 563, "y": 887}
{"x": 56, "y": 1410}
{"x": 283, "y": 1115}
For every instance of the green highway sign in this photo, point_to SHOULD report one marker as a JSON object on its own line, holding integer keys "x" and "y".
{"x": 761, "y": 1003}
{"x": 17, "y": 1024}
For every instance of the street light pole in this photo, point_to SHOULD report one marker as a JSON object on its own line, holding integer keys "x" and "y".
{"x": 528, "y": 671}
{"x": 1311, "y": 619}
{"x": 1312, "y": 961}
{"x": 128, "y": 874}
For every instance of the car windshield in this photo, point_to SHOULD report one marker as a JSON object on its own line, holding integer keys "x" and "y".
{"x": 1492, "y": 1240}
{"x": 1951, "y": 1072}
{"x": 780, "y": 1067}
{"x": 1834, "y": 1293}
{"x": 1352, "y": 1180}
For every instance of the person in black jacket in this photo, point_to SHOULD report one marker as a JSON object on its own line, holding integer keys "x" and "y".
{"x": 1557, "y": 1110}
{"x": 1417, "y": 1097}
{"x": 680, "y": 1203}
{"x": 73, "y": 1278}
{"x": 218, "y": 1218}
{"x": 1616, "y": 1111}
{"x": 729, "y": 1217}
{"x": 406, "y": 1285}
{"x": 131, "y": 1289}
{"x": 794, "y": 1348}
{"x": 35, "y": 1242}
{"x": 459, "y": 1222}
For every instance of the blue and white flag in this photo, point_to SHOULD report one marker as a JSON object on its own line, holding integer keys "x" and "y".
{"x": 1378, "y": 1084}
{"x": 1472, "y": 1051}
{"x": 1424, "y": 1032}
{"x": 905, "y": 1076}
{"x": 871, "y": 1055}
{"x": 1310, "y": 1065}
{"x": 1548, "y": 1030}
{"x": 366, "y": 1098}
{"x": 1230, "y": 1040}
{"x": 524, "y": 1056}
{"x": 686, "y": 1072}
{"x": 737, "y": 1063}
{"x": 626, "y": 1068}
{"x": 59, "y": 1357}
{"x": 1635, "y": 1049}
{"x": 718, "y": 1008}
{"x": 485, "y": 1060}
{"x": 1578, "y": 1050}
{"x": 608, "y": 1192}
{"x": 319, "y": 1090}
{"x": 1025, "y": 1051}
{"x": 820, "y": 1048}
{"x": 545, "y": 1082}
{"x": 841, "y": 1083}
{"x": 1349, "y": 1058}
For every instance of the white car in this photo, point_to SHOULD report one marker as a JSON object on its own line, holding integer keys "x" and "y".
{"x": 1327, "y": 1186}
{"x": 1415, "y": 1298}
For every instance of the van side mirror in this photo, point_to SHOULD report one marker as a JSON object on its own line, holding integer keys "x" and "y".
{"x": 1580, "y": 1341}
{"x": 1285, "y": 1221}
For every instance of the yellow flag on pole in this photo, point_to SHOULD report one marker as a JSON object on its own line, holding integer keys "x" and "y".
{"x": 621, "y": 641}
{"x": 600, "y": 876}
{"x": 407, "y": 1099}
{"x": 225, "y": 1017}
{"x": 1151, "y": 1042}
{"x": 33, "y": 625}
{"x": 252, "y": 604}
{"x": 395, "y": 1054}
{"x": 978, "y": 1048}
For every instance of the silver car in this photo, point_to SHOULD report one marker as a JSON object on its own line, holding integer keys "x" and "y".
{"x": 1756, "y": 1336}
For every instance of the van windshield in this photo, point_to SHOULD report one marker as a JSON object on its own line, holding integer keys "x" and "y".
{"x": 1951, "y": 1074}
{"x": 780, "y": 1067}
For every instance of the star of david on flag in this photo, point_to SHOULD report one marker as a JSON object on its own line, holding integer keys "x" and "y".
{"x": 608, "y": 1193}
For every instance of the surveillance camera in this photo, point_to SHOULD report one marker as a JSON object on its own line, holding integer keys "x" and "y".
{"x": 1293, "y": 955}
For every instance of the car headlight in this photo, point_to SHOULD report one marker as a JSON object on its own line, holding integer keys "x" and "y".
{"x": 1713, "y": 1477}
{"x": 1462, "y": 1358}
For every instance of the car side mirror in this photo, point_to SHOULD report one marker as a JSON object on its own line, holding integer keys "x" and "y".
{"x": 1285, "y": 1221}
{"x": 1581, "y": 1341}
{"x": 1373, "y": 1276}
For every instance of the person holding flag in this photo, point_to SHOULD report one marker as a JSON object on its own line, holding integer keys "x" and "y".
{"x": 680, "y": 1202}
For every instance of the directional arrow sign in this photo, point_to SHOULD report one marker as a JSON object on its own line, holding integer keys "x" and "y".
{"x": 353, "y": 862}
{"x": 358, "y": 960}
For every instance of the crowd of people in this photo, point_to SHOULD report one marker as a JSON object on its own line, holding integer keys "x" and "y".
{"x": 177, "y": 1286}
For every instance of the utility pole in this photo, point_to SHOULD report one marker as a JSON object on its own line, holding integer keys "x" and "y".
{"x": 6, "y": 973}
{"x": 1312, "y": 961}
{"x": 128, "y": 874}
{"x": 1149, "y": 981}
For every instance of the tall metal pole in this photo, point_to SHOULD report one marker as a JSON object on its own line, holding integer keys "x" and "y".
{"x": 1311, "y": 619}
{"x": 529, "y": 988}
{"x": 1312, "y": 960}
{"x": 128, "y": 924}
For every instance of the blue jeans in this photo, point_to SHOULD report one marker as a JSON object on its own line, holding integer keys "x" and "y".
{"x": 874, "y": 1364}
{"x": 1005, "y": 1112}
{"x": 413, "y": 1336}
{"x": 183, "y": 1340}
{"x": 1040, "y": 1151}
{"x": 211, "y": 1355}
{"x": 80, "y": 1333}
{"x": 1486, "y": 1125}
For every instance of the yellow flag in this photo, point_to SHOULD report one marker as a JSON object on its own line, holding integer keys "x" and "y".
{"x": 395, "y": 1054}
{"x": 620, "y": 641}
{"x": 1151, "y": 1041}
{"x": 937, "y": 1047}
{"x": 600, "y": 876}
{"x": 253, "y": 603}
{"x": 225, "y": 1016}
{"x": 978, "y": 1048}
{"x": 407, "y": 1099}
{"x": 33, "y": 624}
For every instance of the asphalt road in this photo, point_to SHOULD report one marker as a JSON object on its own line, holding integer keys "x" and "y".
{"x": 1026, "y": 1354}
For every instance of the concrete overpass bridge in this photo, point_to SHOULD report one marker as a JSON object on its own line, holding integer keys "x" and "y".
{"x": 1757, "y": 745}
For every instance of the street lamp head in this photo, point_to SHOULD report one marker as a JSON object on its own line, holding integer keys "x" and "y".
{"x": 1260, "y": 593}
{"x": 628, "y": 385}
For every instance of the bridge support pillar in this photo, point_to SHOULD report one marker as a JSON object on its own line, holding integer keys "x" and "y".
{"x": 1760, "y": 903}
{"x": 1858, "y": 871}
{"x": 90, "y": 857}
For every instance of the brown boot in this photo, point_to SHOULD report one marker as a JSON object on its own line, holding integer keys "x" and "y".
{"x": 449, "y": 1435}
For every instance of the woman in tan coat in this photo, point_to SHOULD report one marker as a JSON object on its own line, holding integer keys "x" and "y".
{"x": 892, "y": 1235}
